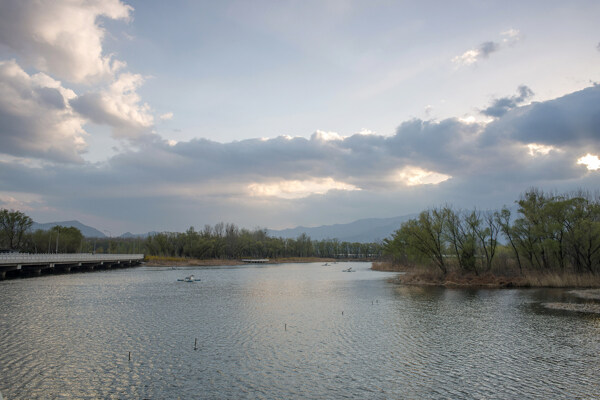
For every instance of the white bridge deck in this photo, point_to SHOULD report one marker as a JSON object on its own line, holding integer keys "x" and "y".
{"x": 18, "y": 264}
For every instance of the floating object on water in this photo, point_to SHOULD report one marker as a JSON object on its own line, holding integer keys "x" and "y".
{"x": 349, "y": 269}
{"x": 188, "y": 279}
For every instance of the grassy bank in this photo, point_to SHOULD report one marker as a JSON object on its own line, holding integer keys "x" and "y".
{"x": 159, "y": 261}
{"x": 427, "y": 276}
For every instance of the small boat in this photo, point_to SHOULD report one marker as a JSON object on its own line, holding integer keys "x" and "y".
{"x": 348, "y": 270}
{"x": 190, "y": 278}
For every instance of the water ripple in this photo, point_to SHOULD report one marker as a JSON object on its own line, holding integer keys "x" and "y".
{"x": 295, "y": 331}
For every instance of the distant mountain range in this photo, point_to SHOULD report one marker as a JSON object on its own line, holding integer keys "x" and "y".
{"x": 367, "y": 230}
{"x": 86, "y": 231}
{"x": 129, "y": 235}
{"x": 364, "y": 230}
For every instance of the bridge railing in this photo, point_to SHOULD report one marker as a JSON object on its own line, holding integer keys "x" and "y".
{"x": 22, "y": 258}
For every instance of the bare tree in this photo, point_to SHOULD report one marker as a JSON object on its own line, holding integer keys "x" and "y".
{"x": 13, "y": 226}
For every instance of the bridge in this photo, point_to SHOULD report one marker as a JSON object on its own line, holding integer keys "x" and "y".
{"x": 19, "y": 264}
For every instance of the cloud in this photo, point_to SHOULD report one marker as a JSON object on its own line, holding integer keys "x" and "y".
{"x": 36, "y": 119}
{"x": 511, "y": 36}
{"x": 501, "y": 106}
{"x": 413, "y": 176}
{"x": 62, "y": 37}
{"x": 485, "y": 49}
{"x": 472, "y": 56}
{"x": 570, "y": 121}
{"x": 119, "y": 106}
{"x": 437, "y": 145}
{"x": 428, "y": 110}
{"x": 467, "y": 58}
{"x": 328, "y": 177}
{"x": 592, "y": 162}
{"x": 536, "y": 149}
{"x": 166, "y": 116}
{"x": 294, "y": 189}
{"x": 326, "y": 136}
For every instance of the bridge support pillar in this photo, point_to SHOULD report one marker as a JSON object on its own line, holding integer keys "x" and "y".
{"x": 2, "y": 275}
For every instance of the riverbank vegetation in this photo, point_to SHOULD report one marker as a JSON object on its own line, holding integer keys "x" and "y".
{"x": 162, "y": 261}
{"x": 552, "y": 240}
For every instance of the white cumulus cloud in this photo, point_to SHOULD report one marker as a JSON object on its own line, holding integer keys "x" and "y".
{"x": 484, "y": 50}
{"x": 166, "y": 116}
{"x": 326, "y": 136}
{"x": 61, "y": 37}
{"x": 36, "y": 119}
{"x": 118, "y": 106}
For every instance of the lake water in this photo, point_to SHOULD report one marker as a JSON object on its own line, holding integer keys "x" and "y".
{"x": 289, "y": 331}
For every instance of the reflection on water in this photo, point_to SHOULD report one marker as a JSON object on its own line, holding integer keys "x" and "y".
{"x": 287, "y": 331}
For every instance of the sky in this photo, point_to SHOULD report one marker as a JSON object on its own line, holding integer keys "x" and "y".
{"x": 156, "y": 116}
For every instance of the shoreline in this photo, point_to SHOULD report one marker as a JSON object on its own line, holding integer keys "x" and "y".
{"x": 531, "y": 279}
{"x": 154, "y": 261}
{"x": 415, "y": 276}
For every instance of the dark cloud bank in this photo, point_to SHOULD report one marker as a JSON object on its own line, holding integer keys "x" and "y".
{"x": 503, "y": 105}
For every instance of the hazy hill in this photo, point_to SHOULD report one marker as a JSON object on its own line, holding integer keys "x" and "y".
{"x": 362, "y": 230}
{"x": 129, "y": 235}
{"x": 86, "y": 231}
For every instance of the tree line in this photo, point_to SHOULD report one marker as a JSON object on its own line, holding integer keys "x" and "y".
{"x": 221, "y": 241}
{"x": 549, "y": 232}
{"x": 16, "y": 235}
{"x": 227, "y": 241}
